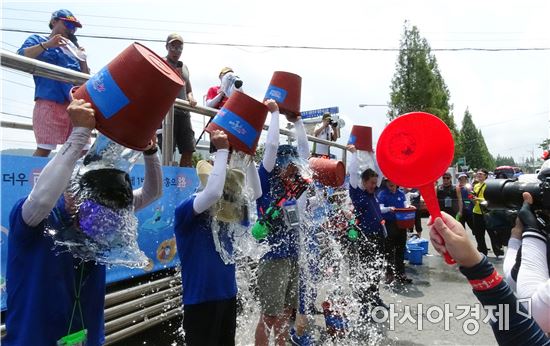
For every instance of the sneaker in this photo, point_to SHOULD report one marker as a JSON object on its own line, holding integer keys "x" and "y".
{"x": 389, "y": 278}
{"x": 304, "y": 340}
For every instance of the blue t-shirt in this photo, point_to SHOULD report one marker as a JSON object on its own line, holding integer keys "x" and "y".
{"x": 467, "y": 201}
{"x": 367, "y": 210}
{"x": 205, "y": 276}
{"x": 389, "y": 199}
{"x": 45, "y": 88}
{"x": 41, "y": 286}
{"x": 283, "y": 241}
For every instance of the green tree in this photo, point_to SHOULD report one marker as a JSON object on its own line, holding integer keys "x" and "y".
{"x": 473, "y": 144}
{"x": 545, "y": 145}
{"x": 196, "y": 158}
{"x": 418, "y": 85}
{"x": 505, "y": 161}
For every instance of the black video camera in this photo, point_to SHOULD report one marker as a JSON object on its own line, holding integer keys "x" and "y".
{"x": 333, "y": 123}
{"x": 507, "y": 193}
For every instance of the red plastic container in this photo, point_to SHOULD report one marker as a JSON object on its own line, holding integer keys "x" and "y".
{"x": 361, "y": 137}
{"x": 131, "y": 95}
{"x": 405, "y": 217}
{"x": 242, "y": 119}
{"x": 328, "y": 172}
{"x": 286, "y": 89}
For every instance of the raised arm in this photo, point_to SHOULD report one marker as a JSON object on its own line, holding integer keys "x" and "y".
{"x": 272, "y": 141}
{"x": 214, "y": 187}
{"x": 54, "y": 178}
{"x": 353, "y": 168}
{"x": 301, "y": 139}
{"x": 152, "y": 184}
{"x": 253, "y": 180}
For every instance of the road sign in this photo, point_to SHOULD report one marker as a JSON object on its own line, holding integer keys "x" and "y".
{"x": 318, "y": 112}
{"x": 461, "y": 161}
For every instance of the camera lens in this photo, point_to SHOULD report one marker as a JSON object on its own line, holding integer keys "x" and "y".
{"x": 238, "y": 83}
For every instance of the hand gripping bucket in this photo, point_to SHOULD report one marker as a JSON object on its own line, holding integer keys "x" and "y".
{"x": 286, "y": 89}
{"x": 415, "y": 254}
{"x": 405, "y": 217}
{"x": 131, "y": 95}
{"x": 242, "y": 119}
{"x": 328, "y": 172}
{"x": 361, "y": 137}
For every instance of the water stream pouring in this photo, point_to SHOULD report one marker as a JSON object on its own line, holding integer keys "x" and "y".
{"x": 413, "y": 151}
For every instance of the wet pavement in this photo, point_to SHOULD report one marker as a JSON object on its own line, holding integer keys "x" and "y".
{"x": 439, "y": 294}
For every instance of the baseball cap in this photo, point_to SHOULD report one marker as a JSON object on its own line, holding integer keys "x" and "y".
{"x": 462, "y": 175}
{"x": 225, "y": 70}
{"x": 174, "y": 37}
{"x": 327, "y": 115}
{"x": 67, "y": 16}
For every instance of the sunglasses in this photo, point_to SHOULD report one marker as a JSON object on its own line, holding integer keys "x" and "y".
{"x": 446, "y": 178}
{"x": 69, "y": 25}
{"x": 175, "y": 48}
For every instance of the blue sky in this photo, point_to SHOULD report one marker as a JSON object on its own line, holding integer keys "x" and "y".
{"x": 508, "y": 93}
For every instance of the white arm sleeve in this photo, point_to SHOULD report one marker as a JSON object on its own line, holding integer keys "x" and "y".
{"x": 353, "y": 171}
{"x": 510, "y": 260}
{"x": 384, "y": 209}
{"x": 214, "y": 187}
{"x": 54, "y": 178}
{"x": 152, "y": 184}
{"x": 253, "y": 180}
{"x": 301, "y": 139}
{"x": 214, "y": 101}
{"x": 533, "y": 281}
{"x": 271, "y": 143}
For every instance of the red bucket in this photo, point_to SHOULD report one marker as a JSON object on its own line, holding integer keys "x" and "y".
{"x": 242, "y": 119}
{"x": 131, "y": 95}
{"x": 286, "y": 89}
{"x": 361, "y": 137}
{"x": 405, "y": 217}
{"x": 328, "y": 172}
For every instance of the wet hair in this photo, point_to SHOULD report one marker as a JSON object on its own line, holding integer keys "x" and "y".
{"x": 108, "y": 186}
{"x": 285, "y": 154}
{"x": 368, "y": 173}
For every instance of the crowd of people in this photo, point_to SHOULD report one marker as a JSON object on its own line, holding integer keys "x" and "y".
{"x": 206, "y": 223}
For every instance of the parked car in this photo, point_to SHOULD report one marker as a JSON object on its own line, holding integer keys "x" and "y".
{"x": 507, "y": 172}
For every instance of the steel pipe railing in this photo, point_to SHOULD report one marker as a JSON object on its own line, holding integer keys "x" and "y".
{"x": 137, "y": 291}
{"x": 132, "y": 305}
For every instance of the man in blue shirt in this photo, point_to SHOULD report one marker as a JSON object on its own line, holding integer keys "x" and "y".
{"x": 51, "y": 123}
{"x": 278, "y": 270}
{"x": 390, "y": 198}
{"x": 208, "y": 271}
{"x": 367, "y": 251}
{"x": 51, "y": 293}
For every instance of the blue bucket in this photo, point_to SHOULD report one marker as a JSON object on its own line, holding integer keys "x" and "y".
{"x": 415, "y": 254}
{"x": 423, "y": 243}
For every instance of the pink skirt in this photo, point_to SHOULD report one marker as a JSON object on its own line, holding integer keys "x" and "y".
{"x": 51, "y": 122}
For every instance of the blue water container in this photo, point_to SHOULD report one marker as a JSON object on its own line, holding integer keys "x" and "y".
{"x": 415, "y": 254}
{"x": 416, "y": 241}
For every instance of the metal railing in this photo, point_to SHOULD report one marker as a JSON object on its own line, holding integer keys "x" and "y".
{"x": 40, "y": 68}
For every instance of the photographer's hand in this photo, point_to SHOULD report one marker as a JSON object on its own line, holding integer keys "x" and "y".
{"x": 528, "y": 218}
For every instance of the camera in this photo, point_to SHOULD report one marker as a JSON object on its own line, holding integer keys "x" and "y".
{"x": 507, "y": 193}
{"x": 333, "y": 122}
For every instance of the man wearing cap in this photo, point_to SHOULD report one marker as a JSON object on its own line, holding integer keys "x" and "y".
{"x": 51, "y": 123}
{"x": 202, "y": 225}
{"x": 278, "y": 270}
{"x": 216, "y": 97}
{"x": 51, "y": 293}
{"x": 327, "y": 130}
{"x": 184, "y": 136}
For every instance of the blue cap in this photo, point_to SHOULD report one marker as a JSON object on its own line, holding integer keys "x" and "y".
{"x": 285, "y": 154}
{"x": 66, "y": 16}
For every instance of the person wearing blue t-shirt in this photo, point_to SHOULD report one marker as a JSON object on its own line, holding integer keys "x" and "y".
{"x": 278, "y": 270}
{"x": 208, "y": 276}
{"x": 390, "y": 198}
{"x": 50, "y": 292}
{"x": 51, "y": 124}
{"x": 367, "y": 251}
